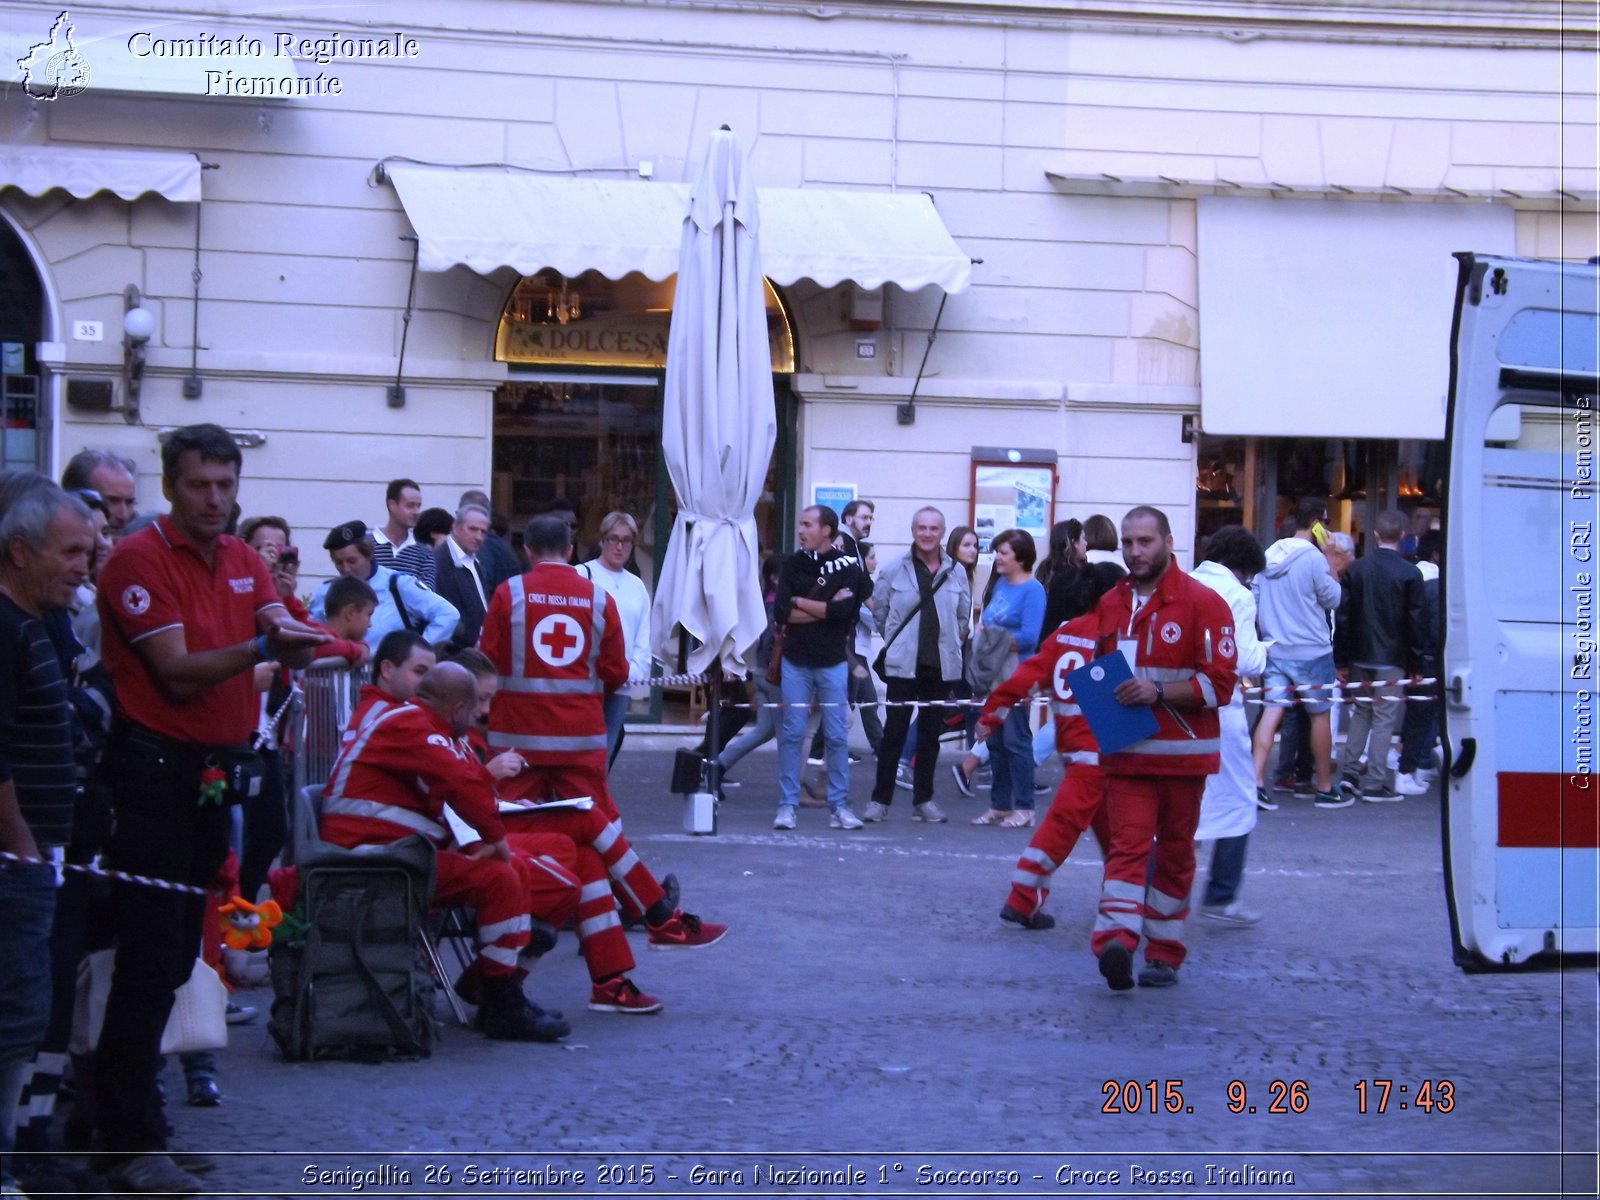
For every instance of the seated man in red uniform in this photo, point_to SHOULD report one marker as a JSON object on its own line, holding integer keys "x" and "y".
{"x": 399, "y": 664}
{"x": 1079, "y": 802}
{"x": 555, "y": 639}
{"x": 394, "y": 779}
{"x": 602, "y": 859}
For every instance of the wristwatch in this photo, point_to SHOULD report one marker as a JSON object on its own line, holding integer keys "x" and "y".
{"x": 1161, "y": 694}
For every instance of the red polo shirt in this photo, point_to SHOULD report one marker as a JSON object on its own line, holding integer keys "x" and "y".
{"x": 156, "y": 580}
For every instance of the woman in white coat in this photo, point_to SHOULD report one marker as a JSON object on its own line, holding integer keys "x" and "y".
{"x": 1228, "y": 809}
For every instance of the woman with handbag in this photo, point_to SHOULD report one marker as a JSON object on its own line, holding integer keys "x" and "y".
{"x": 1013, "y": 608}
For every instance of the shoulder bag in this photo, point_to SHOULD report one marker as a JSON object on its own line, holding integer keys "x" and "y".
{"x": 880, "y": 664}
{"x": 993, "y": 658}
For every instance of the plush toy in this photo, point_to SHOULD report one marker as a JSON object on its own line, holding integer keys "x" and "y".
{"x": 249, "y": 926}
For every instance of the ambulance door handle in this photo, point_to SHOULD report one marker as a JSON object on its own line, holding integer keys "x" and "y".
{"x": 1461, "y": 763}
{"x": 1458, "y": 688}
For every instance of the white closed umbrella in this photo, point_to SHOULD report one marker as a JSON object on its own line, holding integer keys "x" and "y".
{"x": 718, "y": 427}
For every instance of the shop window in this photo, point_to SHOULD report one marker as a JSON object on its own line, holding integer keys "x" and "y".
{"x": 1220, "y": 487}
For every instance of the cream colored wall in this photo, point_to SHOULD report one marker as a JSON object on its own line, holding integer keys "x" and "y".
{"x": 1081, "y": 331}
{"x": 1571, "y": 236}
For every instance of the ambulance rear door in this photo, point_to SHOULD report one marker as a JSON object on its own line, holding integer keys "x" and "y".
{"x": 1522, "y": 857}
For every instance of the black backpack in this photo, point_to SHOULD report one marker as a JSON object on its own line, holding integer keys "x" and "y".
{"x": 353, "y": 980}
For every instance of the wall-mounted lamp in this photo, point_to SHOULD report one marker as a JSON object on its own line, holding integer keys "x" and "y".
{"x": 138, "y": 324}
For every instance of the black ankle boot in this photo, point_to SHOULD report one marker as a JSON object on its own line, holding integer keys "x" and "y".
{"x": 506, "y": 1015}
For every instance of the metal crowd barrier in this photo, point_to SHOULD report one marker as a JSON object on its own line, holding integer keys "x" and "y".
{"x": 329, "y": 690}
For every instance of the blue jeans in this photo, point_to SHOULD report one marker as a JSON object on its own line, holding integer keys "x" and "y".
{"x": 616, "y": 710}
{"x": 829, "y": 686}
{"x": 28, "y": 900}
{"x": 1044, "y": 745}
{"x": 1012, "y": 762}
{"x": 1227, "y": 870}
{"x": 763, "y": 729}
{"x": 1418, "y": 731}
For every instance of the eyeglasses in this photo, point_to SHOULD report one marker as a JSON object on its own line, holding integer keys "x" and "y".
{"x": 612, "y": 539}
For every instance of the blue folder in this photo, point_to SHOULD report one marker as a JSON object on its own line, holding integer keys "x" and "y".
{"x": 1115, "y": 725}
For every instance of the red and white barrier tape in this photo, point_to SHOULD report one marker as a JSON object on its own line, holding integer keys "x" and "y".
{"x": 1252, "y": 695}
{"x": 165, "y": 885}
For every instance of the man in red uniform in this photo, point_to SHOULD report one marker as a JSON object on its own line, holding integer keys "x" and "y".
{"x": 1178, "y": 637}
{"x": 596, "y": 851}
{"x": 394, "y": 779}
{"x": 1079, "y": 802}
{"x": 186, "y": 614}
{"x": 555, "y": 639}
{"x": 399, "y": 664}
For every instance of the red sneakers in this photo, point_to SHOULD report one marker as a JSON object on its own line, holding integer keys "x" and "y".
{"x": 622, "y": 995}
{"x": 685, "y": 931}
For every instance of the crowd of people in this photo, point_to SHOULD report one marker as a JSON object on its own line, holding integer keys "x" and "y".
{"x": 145, "y": 666}
{"x": 146, "y": 663}
{"x": 1304, "y": 617}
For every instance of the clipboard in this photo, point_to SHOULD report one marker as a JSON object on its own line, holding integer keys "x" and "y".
{"x": 465, "y": 834}
{"x": 1115, "y": 726}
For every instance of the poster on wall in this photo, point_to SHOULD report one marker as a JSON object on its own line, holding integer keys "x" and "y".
{"x": 834, "y": 495}
{"x": 1013, "y": 489}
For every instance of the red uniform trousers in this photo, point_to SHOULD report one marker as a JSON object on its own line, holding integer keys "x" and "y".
{"x": 1079, "y": 804}
{"x": 1134, "y": 900}
{"x": 504, "y": 894}
{"x": 581, "y": 774}
{"x": 607, "y": 868}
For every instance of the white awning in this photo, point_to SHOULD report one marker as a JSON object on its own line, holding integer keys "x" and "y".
{"x": 85, "y": 170}
{"x": 486, "y": 219}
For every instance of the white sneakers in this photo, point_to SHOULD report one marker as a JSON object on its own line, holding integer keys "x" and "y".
{"x": 785, "y": 818}
{"x": 1410, "y": 785}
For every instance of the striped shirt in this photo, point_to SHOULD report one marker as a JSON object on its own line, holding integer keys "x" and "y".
{"x": 36, "y": 752}
{"x": 408, "y": 558}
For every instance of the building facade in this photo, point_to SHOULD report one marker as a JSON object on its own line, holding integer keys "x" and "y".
{"x": 1035, "y": 263}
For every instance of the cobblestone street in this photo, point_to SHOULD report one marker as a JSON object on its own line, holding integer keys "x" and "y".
{"x": 868, "y": 1013}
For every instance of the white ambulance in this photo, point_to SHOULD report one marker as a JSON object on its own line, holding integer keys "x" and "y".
{"x": 1521, "y": 687}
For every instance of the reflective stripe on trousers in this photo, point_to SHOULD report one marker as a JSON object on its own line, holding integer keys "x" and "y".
{"x": 528, "y": 741}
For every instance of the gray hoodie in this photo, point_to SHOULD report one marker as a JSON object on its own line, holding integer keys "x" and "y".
{"x": 1294, "y": 596}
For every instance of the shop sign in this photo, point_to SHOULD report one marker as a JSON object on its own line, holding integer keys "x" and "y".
{"x": 632, "y": 339}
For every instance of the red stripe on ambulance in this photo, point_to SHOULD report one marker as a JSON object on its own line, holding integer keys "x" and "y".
{"x": 1543, "y": 809}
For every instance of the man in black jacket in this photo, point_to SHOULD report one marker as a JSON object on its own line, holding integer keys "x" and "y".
{"x": 1381, "y": 637}
{"x": 497, "y": 561}
{"x": 459, "y": 574}
{"x": 818, "y": 590}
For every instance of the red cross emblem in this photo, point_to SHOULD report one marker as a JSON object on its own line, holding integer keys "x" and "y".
{"x": 558, "y": 639}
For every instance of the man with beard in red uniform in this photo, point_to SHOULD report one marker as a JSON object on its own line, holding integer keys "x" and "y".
{"x": 1177, "y": 635}
{"x": 394, "y": 779}
{"x": 399, "y": 664}
{"x": 555, "y": 639}
{"x": 1079, "y": 802}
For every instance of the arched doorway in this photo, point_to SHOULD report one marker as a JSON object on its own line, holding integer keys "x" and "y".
{"x": 24, "y": 415}
{"x": 581, "y": 417}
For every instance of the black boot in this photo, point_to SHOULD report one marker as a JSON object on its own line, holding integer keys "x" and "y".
{"x": 506, "y": 1015}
